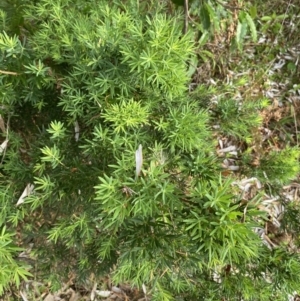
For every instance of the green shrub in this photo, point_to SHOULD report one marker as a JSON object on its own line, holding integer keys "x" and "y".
{"x": 12, "y": 271}
{"x": 88, "y": 84}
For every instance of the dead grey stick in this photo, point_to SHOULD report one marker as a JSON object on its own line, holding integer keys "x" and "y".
{"x": 186, "y": 16}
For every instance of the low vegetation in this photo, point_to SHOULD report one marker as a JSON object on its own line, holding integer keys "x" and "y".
{"x": 151, "y": 147}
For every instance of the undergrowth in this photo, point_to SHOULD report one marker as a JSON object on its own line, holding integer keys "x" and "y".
{"x": 139, "y": 151}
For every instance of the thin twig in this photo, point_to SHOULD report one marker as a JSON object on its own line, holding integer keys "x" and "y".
{"x": 295, "y": 122}
{"x": 186, "y": 16}
{"x": 9, "y": 72}
{"x": 227, "y": 5}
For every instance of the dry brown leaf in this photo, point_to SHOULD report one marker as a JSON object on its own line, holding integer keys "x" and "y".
{"x": 49, "y": 297}
{"x": 93, "y": 291}
{"x": 24, "y": 296}
{"x": 2, "y": 125}
{"x": 3, "y": 146}
{"x": 27, "y": 191}
{"x": 74, "y": 296}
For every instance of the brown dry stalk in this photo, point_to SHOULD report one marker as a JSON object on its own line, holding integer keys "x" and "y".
{"x": 2, "y": 125}
{"x": 186, "y": 16}
{"x": 9, "y": 72}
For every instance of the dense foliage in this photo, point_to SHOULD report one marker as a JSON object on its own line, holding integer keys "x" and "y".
{"x": 83, "y": 84}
